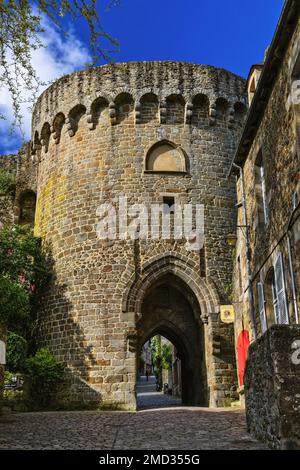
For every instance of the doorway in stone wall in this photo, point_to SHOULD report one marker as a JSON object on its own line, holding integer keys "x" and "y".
{"x": 159, "y": 382}
{"x": 170, "y": 315}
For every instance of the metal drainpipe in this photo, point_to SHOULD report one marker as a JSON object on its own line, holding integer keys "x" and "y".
{"x": 292, "y": 279}
{"x": 248, "y": 253}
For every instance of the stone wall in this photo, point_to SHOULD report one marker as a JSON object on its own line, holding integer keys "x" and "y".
{"x": 9, "y": 164}
{"x": 92, "y": 132}
{"x": 24, "y": 170}
{"x": 276, "y": 139}
{"x": 272, "y": 387}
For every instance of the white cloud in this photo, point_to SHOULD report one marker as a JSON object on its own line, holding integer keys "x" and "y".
{"x": 59, "y": 56}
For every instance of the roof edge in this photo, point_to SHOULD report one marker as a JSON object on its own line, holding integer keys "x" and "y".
{"x": 283, "y": 35}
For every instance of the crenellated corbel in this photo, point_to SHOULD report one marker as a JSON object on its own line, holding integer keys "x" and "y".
{"x": 138, "y": 112}
{"x": 56, "y": 135}
{"x": 189, "y": 113}
{"x": 163, "y": 112}
{"x": 212, "y": 113}
{"x": 90, "y": 121}
{"x": 112, "y": 113}
{"x": 35, "y": 152}
{"x": 231, "y": 120}
{"x": 69, "y": 127}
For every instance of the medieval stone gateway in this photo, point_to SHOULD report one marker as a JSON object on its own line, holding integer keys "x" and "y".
{"x": 152, "y": 132}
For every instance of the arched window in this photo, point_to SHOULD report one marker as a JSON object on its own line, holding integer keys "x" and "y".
{"x": 175, "y": 109}
{"x": 99, "y": 111}
{"x": 45, "y": 136}
{"x": 222, "y": 106}
{"x": 200, "y": 110}
{"x": 58, "y": 123}
{"x": 27, "y": 204}
{"x": 75, "y": 115}
{"x": 165, "y": 157}
{"x": 149, "y": 108}
{"x": 260, "y": 191}
{"x": 240, "y": 112}
{"x": 124, "y": 108}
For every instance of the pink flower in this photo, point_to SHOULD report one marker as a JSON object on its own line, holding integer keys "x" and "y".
{"x": 9, "y": 252}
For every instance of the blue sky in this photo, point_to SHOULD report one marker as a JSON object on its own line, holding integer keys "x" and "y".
{"x": 232, "y": 34}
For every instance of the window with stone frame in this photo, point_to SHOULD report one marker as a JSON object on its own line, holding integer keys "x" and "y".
{"x": 261, "y": 191}
{"x": 275, "y": 298}
{"x": 270, "y": 298}
{"x": 165, "y": 157}
{"x": 281, "y": 306}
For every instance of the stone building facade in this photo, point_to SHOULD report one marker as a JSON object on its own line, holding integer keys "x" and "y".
{"x": 268, "y": 168}
{"x": 155, "y": 132}
{"x": 18, "y": 204}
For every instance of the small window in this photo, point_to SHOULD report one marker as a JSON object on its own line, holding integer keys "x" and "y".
{"x": 169, "y": 201}
{"x": 275, "y": 293}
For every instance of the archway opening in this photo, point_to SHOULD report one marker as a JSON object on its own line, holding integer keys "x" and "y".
{"x": 170, "y": 310}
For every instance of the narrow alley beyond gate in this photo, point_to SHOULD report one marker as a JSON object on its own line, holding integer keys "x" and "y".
{"x": 148, "y": 397}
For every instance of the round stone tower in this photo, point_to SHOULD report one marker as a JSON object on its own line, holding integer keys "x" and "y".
{"x": 113, "y": 137}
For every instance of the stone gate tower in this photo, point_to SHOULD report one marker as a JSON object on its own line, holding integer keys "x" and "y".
{"x": 155, "y": 132}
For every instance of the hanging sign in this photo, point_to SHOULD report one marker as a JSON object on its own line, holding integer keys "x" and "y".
{"x": 227, "y": 313}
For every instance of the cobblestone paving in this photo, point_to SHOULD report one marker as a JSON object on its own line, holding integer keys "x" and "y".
{"x": 148, "y": 397}
{"x": 174, "y": 427}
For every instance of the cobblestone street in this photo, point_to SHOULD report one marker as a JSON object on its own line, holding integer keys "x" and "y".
{"x": 148, "y": 397}
{"x": 169, "y": 426}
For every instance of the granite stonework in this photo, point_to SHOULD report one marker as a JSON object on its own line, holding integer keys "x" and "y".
{"x": 269, "y": 156}
{"x": 276, "y": 137}
{"x": 24, "y": 171}
{"x": 92, "y": 132}
{"x": 272, "y": 387}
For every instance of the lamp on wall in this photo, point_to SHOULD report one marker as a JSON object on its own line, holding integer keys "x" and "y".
{"x": 231, "y": 240}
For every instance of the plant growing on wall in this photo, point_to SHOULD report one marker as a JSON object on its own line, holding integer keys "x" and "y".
{"x": 167, "y": 356}
{"x": 7, "y": 182}
{"x": 228, "y": 290}
{"x": 161, "y": 357}
{"x": 156, "y": 357}
{"x": 17, "y": 349}
{"x": 25, "y": 269}
{"x": 43, "y": 373}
